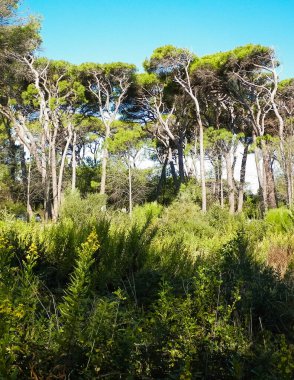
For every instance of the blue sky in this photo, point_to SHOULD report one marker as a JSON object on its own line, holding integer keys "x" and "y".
{"x": 119, "y": 30}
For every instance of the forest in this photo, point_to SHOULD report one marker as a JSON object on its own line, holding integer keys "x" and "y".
{"x": 131, "y": 244}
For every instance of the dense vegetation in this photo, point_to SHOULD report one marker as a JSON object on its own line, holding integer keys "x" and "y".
{"x": 171, "y": 294}
{"x": 109, "y": 269}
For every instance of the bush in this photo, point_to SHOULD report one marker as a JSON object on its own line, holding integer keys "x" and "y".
{"x": 167, "y": 294}
{"x": 82, "y": 210}
{"x": 280, "y": 220}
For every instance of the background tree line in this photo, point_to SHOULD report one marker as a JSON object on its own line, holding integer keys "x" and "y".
{"x": 65, "y": 125}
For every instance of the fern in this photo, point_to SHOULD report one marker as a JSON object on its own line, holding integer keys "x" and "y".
{"x": 76, "y": 295}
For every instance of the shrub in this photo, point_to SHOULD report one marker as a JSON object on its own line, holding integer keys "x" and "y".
{"x": 82, "y": 210}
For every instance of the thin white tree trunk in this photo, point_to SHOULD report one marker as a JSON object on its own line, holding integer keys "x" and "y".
{"x": 230, "y": 180}
{"x": 130, "y": 189}
{"x": 74, "y": 162}
{"x": 62, "y": 166}
{"x": 104, "y": 162}
{"x": 29, "y": 207}
{"x": 202, "y": 167}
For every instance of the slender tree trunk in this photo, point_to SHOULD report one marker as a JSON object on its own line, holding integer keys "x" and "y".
{"x": 104, "y": 170}
{"x": 264, "y": 189}
{"x": 216, "y": 185}
{"x": 284, "y": 160}
{"x": 47, "y": 203}
{"x": 162, "y": 178}
{"x": 26, "y": 180}
{"x": 172, "y": 167}
{"x": 289, "y": 181}
{"x": 202, "y": 165}
{"x": 215, "y": 189}
{"x": 269, "y": 178}
{"x": 260, "y": 175}
{"x": 285, "y": 167}
{"x": 195, "y": 155}
{"x": 61, "y": 170}
{"x": 181, "y": 161}
{"x": 130, "y": 189}
{"x": 53, "y": 165}
{"x": 29, "y": 207}
{"x": 45, "y": 179}
{"x": 23, "y": 165}
{"x": 12, "y": 156}
{"x": 74, "y": 162}
{"x": 186, "y": 84}
{"x": 221, "y": 192}
{"x": 242, "y": 178}
{"x": 104, "y": 162}
{"x": 230, "y": 179}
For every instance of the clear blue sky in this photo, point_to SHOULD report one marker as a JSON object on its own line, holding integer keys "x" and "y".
{"x": 129, "y": 30}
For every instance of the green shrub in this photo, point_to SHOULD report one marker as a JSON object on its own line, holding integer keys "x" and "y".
{"x": 82, "y": 210}
{"x": 280, "y": 219}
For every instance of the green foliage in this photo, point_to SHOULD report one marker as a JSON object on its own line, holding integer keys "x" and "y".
{"x": 127, "y": 141}
{"x": 73, "y": 308}
{"x": 280, "y": 219}
{"x": 170, "y": 293}
{"x": 221, "y": 60}
{"x": 118, "y": 184}
{"x": 82, "y": 210}
{"x": 167, "y": 60}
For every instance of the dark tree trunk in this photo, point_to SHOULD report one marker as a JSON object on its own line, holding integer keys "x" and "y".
{"x": 47, "y": 201}
{"x": 172, "y": 168}
{"x": 162, "y": 178}
{"x": 242, "y": 177}
{"x": 269, "y": 177}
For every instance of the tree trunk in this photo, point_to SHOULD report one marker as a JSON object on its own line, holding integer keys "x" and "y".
{"x": 104, "y": 162}
{"x": 130, "y": 189}
{"x": 242, "y": 178}
{"x": 61, "y": 171}
{"x": 215, "y": 182}
{"x": 12, "y": 149}
{"x": 260, "y": 175}
{"x": 181, "y": 161}
{"x": 202, "y": 165}
{"x": 172, "y": 168}
{"x": 162, "y": 178}
{"x": 45, "y": 179}
{"x": 186, "y": 84}
{"x": 195, "y": 156}
{"x": 29, "y": 207}
{"x": 220, "y": 180}
{"x": 284, "y": 158}
{"x": 221, "y": 192}
{"x": 74, "y": 162}
{"x": 47, "y": 203}
{"x": 269, "y": 178}
{"x": 285, "y": 167}
{"x": 289, "y": 181}
{"x": 230, "y": 179}
{"x": 54, "y": 183}
{"x": 24, "y": 172}
{"x": 26, "y": 180}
